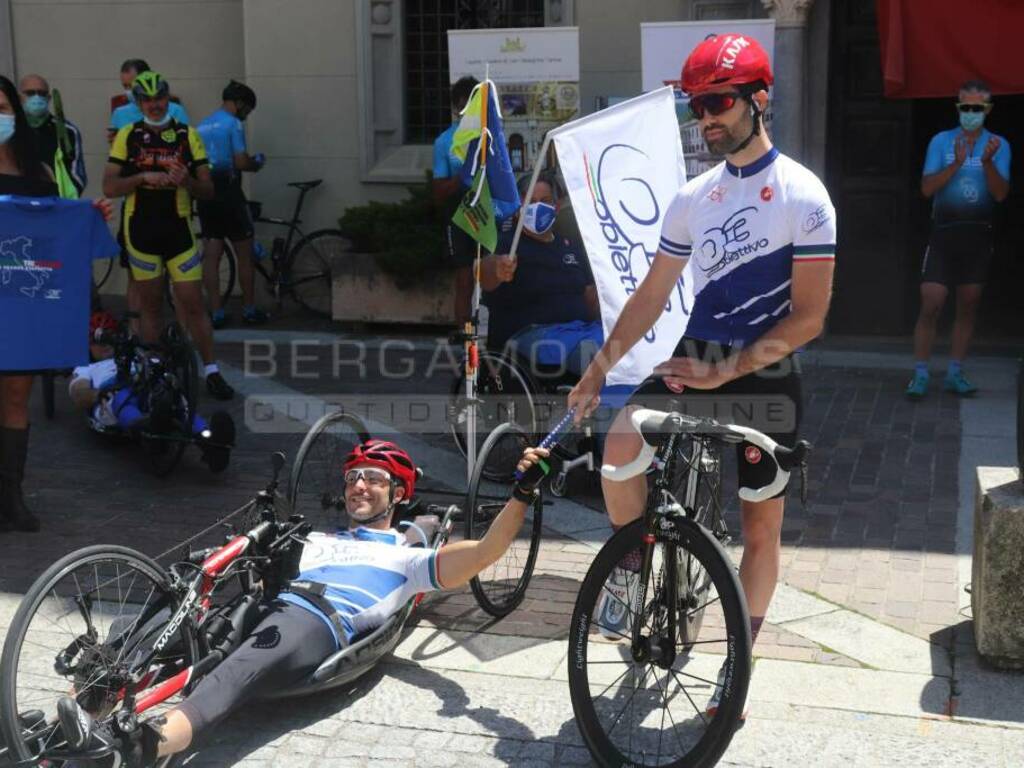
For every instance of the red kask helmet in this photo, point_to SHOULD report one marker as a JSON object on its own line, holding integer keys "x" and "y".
{"x": 725, "y": 60}
{"x": 388, "y": 456}
{"x": 101, "y": 321}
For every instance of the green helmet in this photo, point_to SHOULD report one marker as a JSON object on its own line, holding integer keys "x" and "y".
{"x": 149, "y": 85}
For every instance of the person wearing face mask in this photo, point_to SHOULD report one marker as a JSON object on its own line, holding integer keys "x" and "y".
{"x": 159, "y": 165}
{"x": 129, "y": 112}
{"x": 35, "y": 98}
{"x": 966, "y": 173}
{"x": 547, "y": 282}
{"x": 227, "y": 215}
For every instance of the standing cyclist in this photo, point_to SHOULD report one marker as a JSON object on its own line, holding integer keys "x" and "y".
{"x": 227, "y": 215}
{"x": 158, "y": 165}
{"x": 966, "y": 171}
{"x": 756, "y": 235}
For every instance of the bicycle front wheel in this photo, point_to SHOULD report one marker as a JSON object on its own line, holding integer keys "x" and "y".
{"x": 648, "y": 704}
{"x": 87, "y": 627}
{"x": 309, "y": 269}
{"x": 316, "y": 488}
{"x": 499, "y": 588}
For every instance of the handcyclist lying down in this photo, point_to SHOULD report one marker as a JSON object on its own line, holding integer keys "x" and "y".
{"x": 349, "y": 582}
{"x": 122, "y": 409}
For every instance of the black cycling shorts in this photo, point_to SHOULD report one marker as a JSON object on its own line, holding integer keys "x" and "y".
{"x": 768, "y": 400}
{"x": 227, "y": 215}
{"x": 960, "y": 254}
{"x": 287, "y": 645}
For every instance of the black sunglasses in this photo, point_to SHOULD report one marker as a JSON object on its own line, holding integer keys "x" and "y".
{"x": 713, "y": 103}
{"x": 972, "y": 107}
{"x": 31, "y": 92}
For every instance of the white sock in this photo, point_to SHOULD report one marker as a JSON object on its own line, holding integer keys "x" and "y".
{"x": 210, "y": 368}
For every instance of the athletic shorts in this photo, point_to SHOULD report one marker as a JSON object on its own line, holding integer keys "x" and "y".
{"x": 158, "y": 243}
{"x": 768, "y": 400}
{"x": 958, "y": 255}
{"x": 227, "y": 215}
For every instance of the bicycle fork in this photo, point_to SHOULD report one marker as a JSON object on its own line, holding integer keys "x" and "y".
{"x": 659, "y": 646}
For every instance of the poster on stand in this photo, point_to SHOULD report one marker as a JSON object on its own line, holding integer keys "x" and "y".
{"x": 537, "y": 71}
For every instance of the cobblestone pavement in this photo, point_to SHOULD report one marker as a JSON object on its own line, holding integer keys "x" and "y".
{"x": 877, "y": 539}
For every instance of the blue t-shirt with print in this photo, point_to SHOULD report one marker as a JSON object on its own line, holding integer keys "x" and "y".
{"x": 47, "y": 246}
{"x": 965, "y": 198}
{"x": 547, "y": 288}
{"x": 224, "y": 137}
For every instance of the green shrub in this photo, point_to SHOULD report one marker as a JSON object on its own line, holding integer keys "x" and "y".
{"x": 406, "y": 238}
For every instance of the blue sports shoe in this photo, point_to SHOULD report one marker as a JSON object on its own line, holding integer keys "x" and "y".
{"x": 958, "y": 384}
{"x": 918, "y": 386}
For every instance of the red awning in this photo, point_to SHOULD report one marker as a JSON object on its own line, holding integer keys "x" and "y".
{"x": 930, "y": 47}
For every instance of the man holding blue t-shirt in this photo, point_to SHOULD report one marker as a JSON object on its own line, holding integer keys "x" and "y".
{"x": 966, "y": 172}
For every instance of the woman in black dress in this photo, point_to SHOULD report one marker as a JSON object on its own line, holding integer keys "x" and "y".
{"x": 21, "y": 173}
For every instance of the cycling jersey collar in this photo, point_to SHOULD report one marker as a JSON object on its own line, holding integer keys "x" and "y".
{"x": 755, "y": 167}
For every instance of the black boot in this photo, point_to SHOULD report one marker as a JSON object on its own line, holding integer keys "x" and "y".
{"x": 13, "y": 452}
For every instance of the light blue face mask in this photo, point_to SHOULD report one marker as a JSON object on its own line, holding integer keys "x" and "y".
{"x": 539, "y": 217}
{"x": 972, "y": 121}
{"x": 6, "y": 128}
{"x": 36, "y": 105}
{"x": 157, "y": 124}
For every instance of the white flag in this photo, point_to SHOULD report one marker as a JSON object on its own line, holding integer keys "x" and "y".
{"x": 623, "y": 166}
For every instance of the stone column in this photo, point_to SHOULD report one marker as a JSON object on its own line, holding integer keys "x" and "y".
{"x": 788, "y": 106}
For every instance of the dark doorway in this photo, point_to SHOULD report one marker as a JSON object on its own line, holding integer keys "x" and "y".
{"x": 875, "y": 152}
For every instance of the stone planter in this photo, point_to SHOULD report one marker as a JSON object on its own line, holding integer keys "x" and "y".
{"x": 361, "y": 292}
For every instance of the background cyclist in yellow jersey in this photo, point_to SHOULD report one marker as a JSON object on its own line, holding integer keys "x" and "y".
{"x": 159, "y": 165}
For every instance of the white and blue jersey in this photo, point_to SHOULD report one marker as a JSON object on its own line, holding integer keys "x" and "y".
{"x": 368, "y": 575}
{"x": 965, "y": 198}
{"x": 742, "y": 229}
{"x": 224, "y": 137}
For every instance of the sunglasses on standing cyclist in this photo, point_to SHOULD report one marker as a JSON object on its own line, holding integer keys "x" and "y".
{"x": 713, "y": 103}
{"x": 972, "y": 107}
{"x": 374, "y": 478}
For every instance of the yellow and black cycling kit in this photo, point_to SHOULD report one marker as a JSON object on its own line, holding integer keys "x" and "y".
{"x": 157, "y": 228}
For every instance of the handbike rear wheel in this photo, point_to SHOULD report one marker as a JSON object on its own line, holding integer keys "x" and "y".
{"x": 316, "y": 488}
{"x": 165, "y": 450}
{"x": 644, "y": 710}
{"x": 499, "y": 588}
{"x": 86, "y": 626}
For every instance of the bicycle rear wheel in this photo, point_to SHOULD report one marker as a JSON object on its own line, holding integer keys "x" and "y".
{"x": 501, "y": 587}
{"x": 101, "y": 269}
{"x": 316, "y": 488}
{"x": 227, "y": 268}
{"x": 309, "y": 269}
{"x": 85, "y": 627}
{"x": 647, "y": 706}
{"x": 504, "y": 394}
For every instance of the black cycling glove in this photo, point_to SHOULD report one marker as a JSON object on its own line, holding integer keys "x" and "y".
{"x": 525, "y": 489}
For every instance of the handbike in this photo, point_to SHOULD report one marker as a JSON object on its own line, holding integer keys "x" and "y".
{"x": 641, "y": 695}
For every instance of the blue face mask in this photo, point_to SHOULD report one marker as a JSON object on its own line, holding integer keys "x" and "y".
{"x": 6, "y": 128}
{"x": 539, "y": 217}
{"x": 157, "y": 123}
{"x": 972, "y": 121}
{"x": 36, "y": 105}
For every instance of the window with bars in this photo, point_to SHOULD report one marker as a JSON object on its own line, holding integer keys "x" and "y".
{"x": 427, "y": 90}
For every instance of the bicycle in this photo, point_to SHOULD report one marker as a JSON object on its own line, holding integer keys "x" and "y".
{"x": 302, "y": 270}
{"x": 684, "y": 606}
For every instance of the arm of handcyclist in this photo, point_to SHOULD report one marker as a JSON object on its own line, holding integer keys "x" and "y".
{"x": 640, "y": 312}
{"x": 459, "y": 562}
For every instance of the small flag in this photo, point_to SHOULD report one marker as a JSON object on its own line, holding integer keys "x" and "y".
{"x": 466, "y": 145}
{"x": 475, "y": 214}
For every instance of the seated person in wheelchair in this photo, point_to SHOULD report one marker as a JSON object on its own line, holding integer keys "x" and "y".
{"x": 349, "y": 581}
{"x": 121, "y": 408}
{"x": 542, "y": 302}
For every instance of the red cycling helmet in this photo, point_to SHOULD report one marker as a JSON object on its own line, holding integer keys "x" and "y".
{"x": 386, "y": 455}
{"x": 725, "y": 60}
{"x": 101, "y": 321}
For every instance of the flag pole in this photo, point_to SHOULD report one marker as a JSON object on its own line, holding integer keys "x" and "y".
{"x": 473, "y": 326}
{"x": 537, "y": 163}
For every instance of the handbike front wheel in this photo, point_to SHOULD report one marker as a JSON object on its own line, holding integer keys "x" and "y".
{"x": 647, "y": 704}
{"x": 499, "y": 588}
{"x": 86, "y": 627}
{"x": 316, "y": 488}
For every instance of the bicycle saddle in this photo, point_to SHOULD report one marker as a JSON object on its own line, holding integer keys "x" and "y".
{"x": 305, "y": 185}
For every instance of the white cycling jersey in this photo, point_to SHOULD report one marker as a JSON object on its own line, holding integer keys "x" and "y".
{"x": 742, "y": 229}
{"x": 369, "y": 574}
